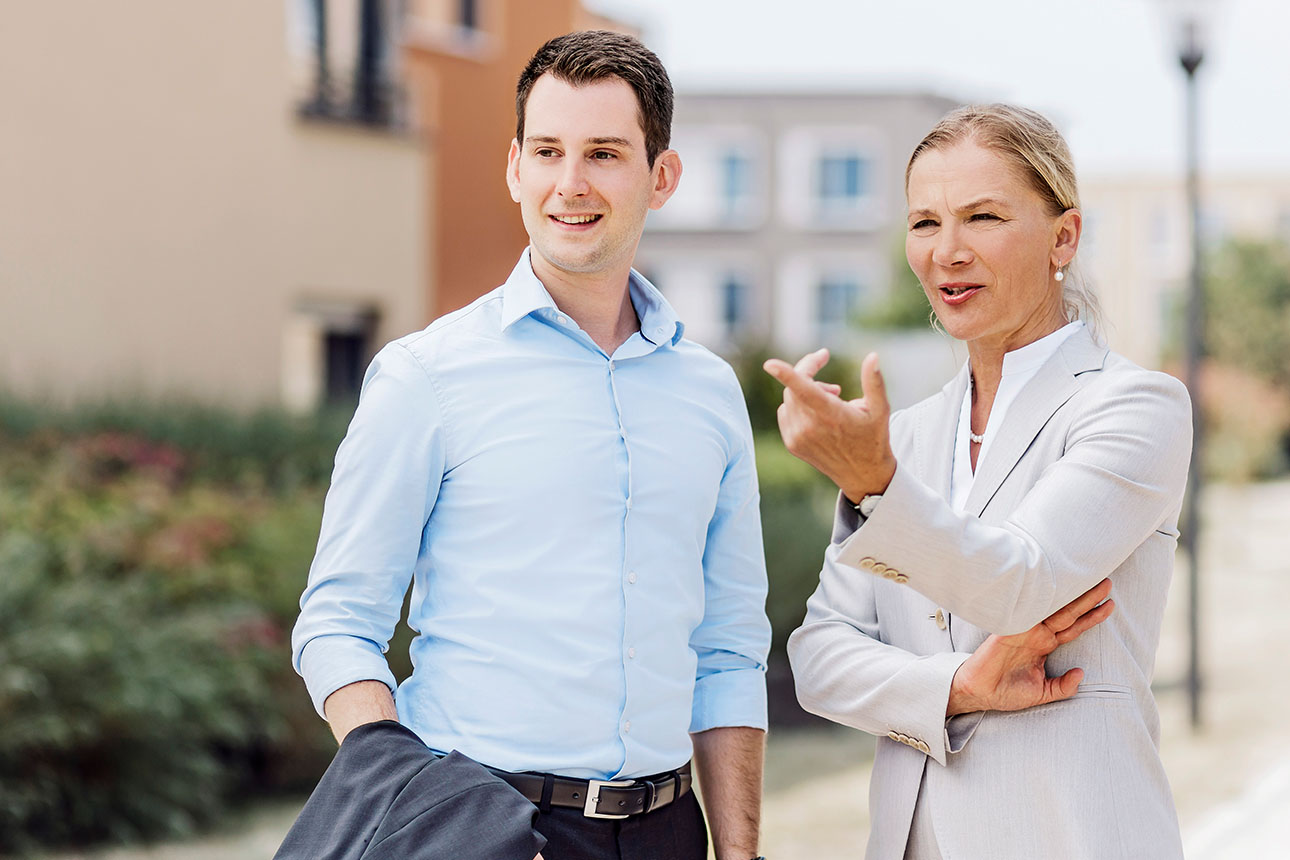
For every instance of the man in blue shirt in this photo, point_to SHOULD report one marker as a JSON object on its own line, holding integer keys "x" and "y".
{"x": 570, "y": 487}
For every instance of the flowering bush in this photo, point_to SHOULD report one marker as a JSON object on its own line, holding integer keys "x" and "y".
{"x": 148, "y": 582}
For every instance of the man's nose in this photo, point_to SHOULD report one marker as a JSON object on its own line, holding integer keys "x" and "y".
{"x": 573, "y": 178}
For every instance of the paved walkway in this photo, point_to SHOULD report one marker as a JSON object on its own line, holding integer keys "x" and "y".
{"x": 1231, "y": 779}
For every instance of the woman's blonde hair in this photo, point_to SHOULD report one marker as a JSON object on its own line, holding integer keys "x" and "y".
{"x": 1035, "y": 148}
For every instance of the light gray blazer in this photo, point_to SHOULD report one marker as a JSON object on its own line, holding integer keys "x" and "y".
{"x": 1084, "y": 481}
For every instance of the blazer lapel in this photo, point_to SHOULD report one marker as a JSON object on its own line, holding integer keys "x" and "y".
{"x": 936, "y": 435}
{"x": 1053, "y": 384}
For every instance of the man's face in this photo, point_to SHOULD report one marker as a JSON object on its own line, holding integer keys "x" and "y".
{"x": 582, "y": 178}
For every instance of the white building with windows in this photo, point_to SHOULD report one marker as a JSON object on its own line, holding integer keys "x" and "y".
{"x": 790, "y": 213}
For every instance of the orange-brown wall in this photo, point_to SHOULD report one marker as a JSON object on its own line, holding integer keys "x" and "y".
{"x": 465, "y": 93}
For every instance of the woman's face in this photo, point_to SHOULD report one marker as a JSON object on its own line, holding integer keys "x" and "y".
{"x": 985, "y": 248}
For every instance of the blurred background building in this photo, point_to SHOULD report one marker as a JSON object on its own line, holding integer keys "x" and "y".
{"x": 789, "y": 219}
{"x": 1137, "y": 248}
{"x": 186, "y": 213}
{"x": 237, "y": 203}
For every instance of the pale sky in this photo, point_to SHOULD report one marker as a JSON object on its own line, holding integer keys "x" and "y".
{"x": 1105, "y": 70}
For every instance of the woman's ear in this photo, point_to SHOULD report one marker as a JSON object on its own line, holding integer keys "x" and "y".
{"x": 1066, "y": 232}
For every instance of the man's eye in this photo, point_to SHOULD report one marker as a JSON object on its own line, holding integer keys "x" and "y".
{"x": 921, "y": 225}
{"x": 545, "y": 153}
{"x": 603, "y": 156}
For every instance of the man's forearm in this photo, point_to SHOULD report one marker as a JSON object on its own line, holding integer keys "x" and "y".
{"x": 729, "y": 763}
{"x": 358, "y": 703}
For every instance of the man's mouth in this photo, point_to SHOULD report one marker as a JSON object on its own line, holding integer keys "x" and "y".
{"x": 576, "y": 219}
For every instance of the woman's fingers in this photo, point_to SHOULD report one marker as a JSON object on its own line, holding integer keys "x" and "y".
{"x": 1071, "y": 612}
{"x": 1085, "y": 622}
{"x": 875, "y": 387}
{"x": 1064, "y": 687}
{"x": 811, "y": 363}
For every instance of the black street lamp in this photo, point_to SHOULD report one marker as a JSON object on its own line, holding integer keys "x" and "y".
{"x": 1189, "y": 16}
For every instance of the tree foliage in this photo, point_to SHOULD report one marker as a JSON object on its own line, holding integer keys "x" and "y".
{"x": 1248, "y": 308}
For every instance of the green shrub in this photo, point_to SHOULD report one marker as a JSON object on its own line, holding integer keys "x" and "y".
{"x": 118, "y": 711}
{"x": 149, "y": 575}
{"x": 796, "y": 518}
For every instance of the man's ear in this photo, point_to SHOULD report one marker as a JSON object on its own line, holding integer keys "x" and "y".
{"x": 667, "y": 175}
{"x": 513, "y": 170}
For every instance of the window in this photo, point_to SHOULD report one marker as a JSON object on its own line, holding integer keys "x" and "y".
{"x": 837, "y": 298}
{"x": 357, "y": 84}
{"x": 736, "y": 182}
{"x": 734, "y": 305}
{"x": 344, "y": 360}
{"x": 841, "y": 180}
{"x": 326, "y": 348}
{"x": 468, "y": 13}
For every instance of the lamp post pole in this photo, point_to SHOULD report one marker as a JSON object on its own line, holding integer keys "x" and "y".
{"x": 1190, "y": 56}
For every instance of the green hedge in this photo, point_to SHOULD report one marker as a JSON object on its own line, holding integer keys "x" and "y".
{"x": 151, "y": 560}
{"x": 150, "y": 563}
{"x": 796, "y": 519}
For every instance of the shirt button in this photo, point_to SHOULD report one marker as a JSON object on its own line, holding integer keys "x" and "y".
{"x": 562, "y": 319}
{"x": 627, "y": 726}
{"x": 629, "y": 504}
{"x": 631, "y": 653}
{"x": 611, "y": 364}
{"x": 631, "y": 577}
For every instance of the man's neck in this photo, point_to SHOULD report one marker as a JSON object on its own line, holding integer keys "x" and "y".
{"x": 600, "y": 303}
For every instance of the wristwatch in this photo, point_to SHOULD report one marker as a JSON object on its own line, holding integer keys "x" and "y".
{"x": 865, "y": 510}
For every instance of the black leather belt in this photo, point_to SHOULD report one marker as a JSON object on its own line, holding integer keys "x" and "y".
{"x": 601, "y": 798}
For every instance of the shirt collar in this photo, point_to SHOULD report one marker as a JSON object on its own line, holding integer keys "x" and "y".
{"x": 1034, "y": 354}
{"x": 523, "y": 294}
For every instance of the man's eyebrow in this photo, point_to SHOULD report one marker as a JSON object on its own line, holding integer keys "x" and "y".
{"x": 593, "y": 141}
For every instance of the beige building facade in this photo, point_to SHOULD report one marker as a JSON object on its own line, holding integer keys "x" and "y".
{"x": 1136, "y": 248}
{"x": 172, "y": 222}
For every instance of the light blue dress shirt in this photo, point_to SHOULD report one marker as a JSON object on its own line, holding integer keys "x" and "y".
{"x": 581, "y": 532}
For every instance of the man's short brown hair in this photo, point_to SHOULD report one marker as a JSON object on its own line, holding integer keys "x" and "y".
{"x": 589, "y": 56}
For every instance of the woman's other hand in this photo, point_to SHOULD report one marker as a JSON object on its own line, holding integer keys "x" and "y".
{"x": 1006, "y": 673}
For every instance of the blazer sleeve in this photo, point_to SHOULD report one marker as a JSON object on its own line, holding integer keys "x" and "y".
{"x": 846, "y": 673}
{"x": 1120, "y": 478}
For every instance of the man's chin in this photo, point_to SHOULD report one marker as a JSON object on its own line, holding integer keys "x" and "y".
{"x": 584, "y": 263}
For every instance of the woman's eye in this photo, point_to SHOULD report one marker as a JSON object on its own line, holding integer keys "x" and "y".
{"x": 984, "y": 216}
{"x": 920, "y": 225}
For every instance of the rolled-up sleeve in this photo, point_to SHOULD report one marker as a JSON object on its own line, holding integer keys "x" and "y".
{"x": 733, "y": 640}
{"x": 386, "y": 479}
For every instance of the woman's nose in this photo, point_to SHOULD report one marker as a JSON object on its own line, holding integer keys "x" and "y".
{"x": 951, "y": 249}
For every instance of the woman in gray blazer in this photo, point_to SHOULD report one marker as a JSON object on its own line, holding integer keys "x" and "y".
{"x": 961, "y": 614}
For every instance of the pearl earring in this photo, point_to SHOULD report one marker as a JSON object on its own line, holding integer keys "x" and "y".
{"x": 1060, "y": 276}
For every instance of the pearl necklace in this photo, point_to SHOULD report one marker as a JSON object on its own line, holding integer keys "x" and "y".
{"x": 976, "y": 440}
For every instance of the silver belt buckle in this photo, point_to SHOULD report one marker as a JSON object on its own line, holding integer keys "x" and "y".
{"x": 593, "y": 796}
